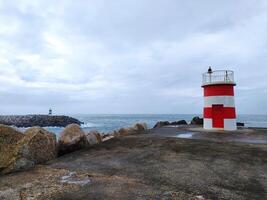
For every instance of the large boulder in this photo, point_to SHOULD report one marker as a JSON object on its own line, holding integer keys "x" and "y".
{"x": 40, "y": 144}
{"x": 93, "y": 137}
{"x": 9, "y": 135}
{"x": 13, "y": 161}
{"x": 197, "y": 121}
{"x": 71, "y": 139}
{"x": 37, "y": 146}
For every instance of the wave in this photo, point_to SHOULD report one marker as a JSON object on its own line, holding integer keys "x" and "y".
{"x": 90, "y": 125}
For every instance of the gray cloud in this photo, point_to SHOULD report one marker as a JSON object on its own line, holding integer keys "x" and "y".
{"x": 119, "y": 56}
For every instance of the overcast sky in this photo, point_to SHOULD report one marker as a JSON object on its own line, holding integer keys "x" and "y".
{"x": 122, "y": 56}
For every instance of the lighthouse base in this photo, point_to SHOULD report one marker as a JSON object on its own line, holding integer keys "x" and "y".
{"x": 228, "y": 125}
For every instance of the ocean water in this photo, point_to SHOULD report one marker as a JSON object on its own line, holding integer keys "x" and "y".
{"x": 108, "y": 122}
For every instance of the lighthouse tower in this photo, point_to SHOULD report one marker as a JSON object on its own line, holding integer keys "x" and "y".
{"x": 219, "y": 104}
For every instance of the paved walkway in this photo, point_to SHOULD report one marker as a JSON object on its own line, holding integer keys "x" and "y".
{"x": 247, "y": 135}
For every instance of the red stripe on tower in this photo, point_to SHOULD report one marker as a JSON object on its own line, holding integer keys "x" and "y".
{"x": 219, "y": 90}
{"x": 219, "y": 111}
{"x": 227, "y": 112}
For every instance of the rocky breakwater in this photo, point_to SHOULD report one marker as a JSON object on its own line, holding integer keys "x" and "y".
{"x": 73, "y": 138}
{"x": 197, "y": 121}
{"x": 167, "y": 123}
{"x": 21, "y": 151}
{"x": 38, "y": 120}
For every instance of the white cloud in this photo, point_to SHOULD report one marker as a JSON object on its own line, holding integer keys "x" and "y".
{"x": 108, "y": 54}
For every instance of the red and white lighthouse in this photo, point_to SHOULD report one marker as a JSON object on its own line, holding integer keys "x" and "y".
{"x": 219, "y": 103}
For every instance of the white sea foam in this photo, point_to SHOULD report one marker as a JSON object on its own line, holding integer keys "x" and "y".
{"x": 90, "y": 125}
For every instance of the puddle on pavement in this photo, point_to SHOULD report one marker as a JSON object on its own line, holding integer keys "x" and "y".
{"x": 185, "y": 135}
{"x": 220, "y": 137}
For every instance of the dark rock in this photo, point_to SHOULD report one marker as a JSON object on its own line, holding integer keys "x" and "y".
{"x": 71, "y": 139}
{"x": 161, "y": 124}
{"x": 166, "y": 123}
{"x": 38, "y": 120}
{"x": 180, "y": 122}
{"x": 197, "y": 121}
{"x": 240, "y": 124}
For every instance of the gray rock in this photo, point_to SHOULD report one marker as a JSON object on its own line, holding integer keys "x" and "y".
{"x": 93, "y": 137}
{"x": 241, "y": 124}
{"x": 197, "y": 121}
{"x": 161, "y": 124}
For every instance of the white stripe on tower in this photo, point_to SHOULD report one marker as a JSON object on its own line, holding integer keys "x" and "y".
{"x": 227, "y": 101}
{"x": 230, "y": 124}
{"x": 207, "y": 123}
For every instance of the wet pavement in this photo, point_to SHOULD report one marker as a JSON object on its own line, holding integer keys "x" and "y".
{"x": 246, "y": 135}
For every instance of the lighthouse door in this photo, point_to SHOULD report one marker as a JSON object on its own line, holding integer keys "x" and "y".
{"x": 217, "y": 116}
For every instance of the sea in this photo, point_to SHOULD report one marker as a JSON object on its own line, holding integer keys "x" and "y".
{"x": 105, "y": 123}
